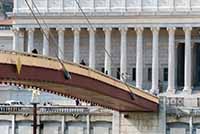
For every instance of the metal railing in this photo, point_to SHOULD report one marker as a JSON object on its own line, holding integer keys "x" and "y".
{"x": 5, "y": 27}
{"x": 44, "y": 109}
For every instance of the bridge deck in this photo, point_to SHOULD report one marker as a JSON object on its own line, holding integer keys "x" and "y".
{"x": 89, "y": 85}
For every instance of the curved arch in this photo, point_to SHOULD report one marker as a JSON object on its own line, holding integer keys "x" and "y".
{"x": 86, "y": 84}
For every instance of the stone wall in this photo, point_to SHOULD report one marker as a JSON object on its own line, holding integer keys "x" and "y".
{"x": 57, "y": 124}
{"x": 140, "y": 123}
{"x": 144, "y": 122}
{"x": 6, "y": 43}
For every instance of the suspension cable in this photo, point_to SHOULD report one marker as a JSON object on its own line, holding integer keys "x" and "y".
{"x": 123, "y": 76}
{"x": 54, "y": 40}
{"x": 66, "y": 73}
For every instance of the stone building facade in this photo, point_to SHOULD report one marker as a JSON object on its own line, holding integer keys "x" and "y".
{"x": 56, "y": 120}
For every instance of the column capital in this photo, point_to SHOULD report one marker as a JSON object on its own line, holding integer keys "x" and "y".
{"x": 93, "y": 29}
{"x": 46, "y": 30}
{"x": 123, "y": 29}
{"x": 155, "y": 29}
{"x": 76, "y": 29}
{"x": 60, "y": 29}
{"x": 171, "y": 29}
{"x": 139, "y": 29}
{"x": 15, "y": 30}
{"x": 30, "y": 29}
{"x": 187, "y": 28}
{"x": 107, "y": 29}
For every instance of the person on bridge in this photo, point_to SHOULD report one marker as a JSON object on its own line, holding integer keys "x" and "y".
{"x": 77, "y": 102}
{"x": 34, "y": 51}
{"x": 82, "y": 62}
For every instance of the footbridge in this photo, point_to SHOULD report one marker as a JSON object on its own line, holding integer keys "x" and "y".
{"x": 46, "y": 74}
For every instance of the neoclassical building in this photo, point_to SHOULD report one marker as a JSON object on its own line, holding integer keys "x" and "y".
{"x": 151, "y": 44}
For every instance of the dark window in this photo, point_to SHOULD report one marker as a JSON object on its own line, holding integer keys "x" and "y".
{"x": 134, "y": 74}
{"x": 165, "y": 74}
{"x": 118, "y": 73}
{"x": 149, "y": 74}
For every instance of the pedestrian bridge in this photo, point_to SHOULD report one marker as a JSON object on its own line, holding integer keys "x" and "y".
{"x": 46, "y": 74}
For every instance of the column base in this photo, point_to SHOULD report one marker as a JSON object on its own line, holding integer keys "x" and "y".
{"x": 171, "y": 90}
{"x": 139, "y": 86}
{"x": 154, "y": 91}
{"x": 187, "y": 90}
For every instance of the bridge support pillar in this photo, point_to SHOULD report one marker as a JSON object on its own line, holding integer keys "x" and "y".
{"x": 116, "y": 122}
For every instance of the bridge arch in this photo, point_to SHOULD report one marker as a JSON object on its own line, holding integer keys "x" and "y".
{"x": 46, "y": 74}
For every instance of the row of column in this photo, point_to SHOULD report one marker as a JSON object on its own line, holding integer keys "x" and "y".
{"x": 123, "y": 60}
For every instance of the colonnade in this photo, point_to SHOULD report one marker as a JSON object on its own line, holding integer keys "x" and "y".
{"x": 123, "y": 50}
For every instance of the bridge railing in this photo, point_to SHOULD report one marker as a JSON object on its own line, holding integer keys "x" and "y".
{"x": 39, "y": 56}
{"x": 44, "y": 109}
{"x": 69, "y": 110}
{"x": 64, "y": 61}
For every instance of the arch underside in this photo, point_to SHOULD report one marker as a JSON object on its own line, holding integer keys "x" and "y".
{"x": 82, "y": 87}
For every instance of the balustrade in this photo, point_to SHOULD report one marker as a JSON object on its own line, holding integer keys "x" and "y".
{"x": 110, "y": 5}
{"x": 44, "y": 109}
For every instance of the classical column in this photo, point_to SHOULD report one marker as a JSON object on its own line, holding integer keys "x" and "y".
{"x": 155, "y": 62}
{"x": 15, "y": 39}
{"x": 88, "y": 123}
{"x": 46, "y": 42}
{"x": 139, "y": 57}
{"x": 76, "y": 58}
{"x": 30, "y": 39}
{"x": 107, "y": 63}
{"x": 92, "y": 47}
{"x": 15, "y": 9}
{"x": 123, "y": 61}
{"x": 61, "y": 42}
{"x": 62, "y": 4}
{"x": 187, "y": 77}
{"x": 63, "y": 125}
{"x": 171, "y": 60}
{"x": 13, "y": 124}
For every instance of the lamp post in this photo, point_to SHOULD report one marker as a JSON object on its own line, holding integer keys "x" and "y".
{"x": 35, "y": 118}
